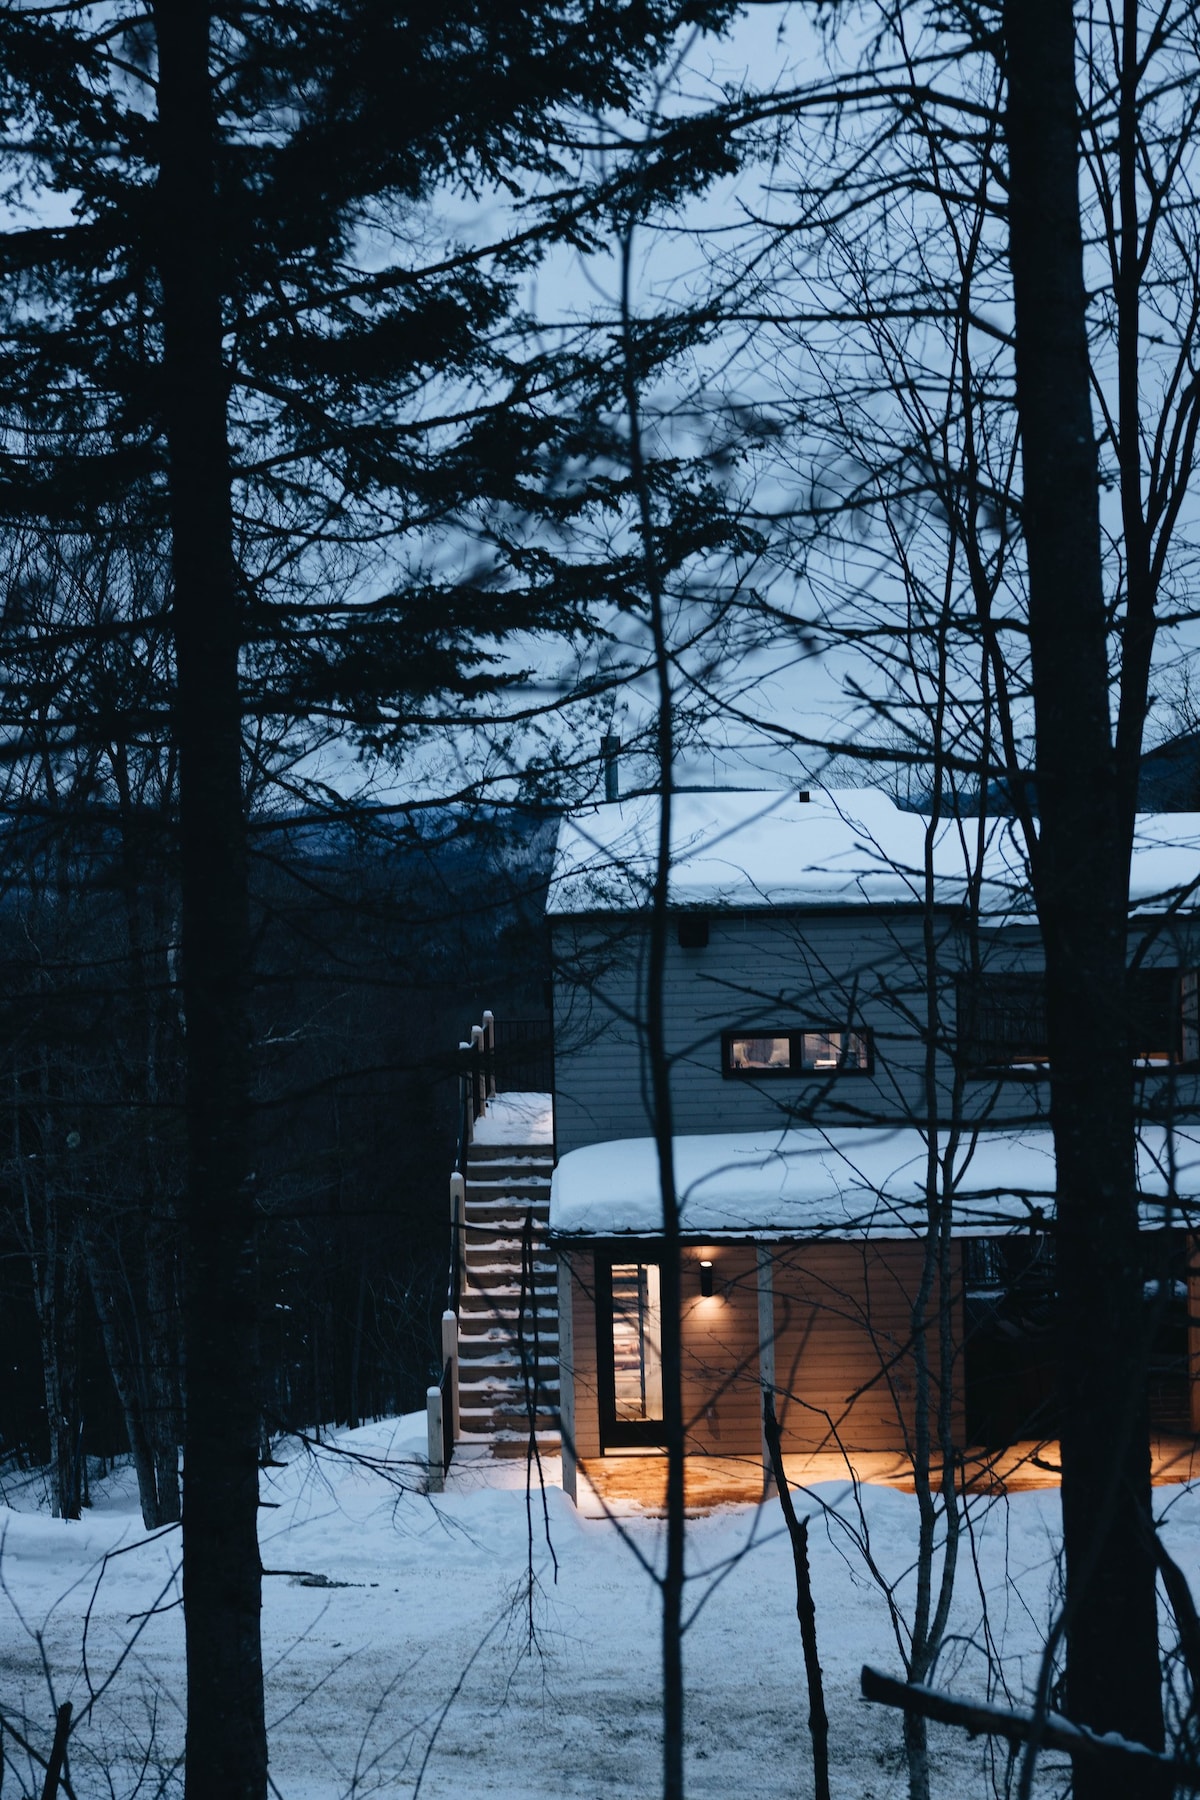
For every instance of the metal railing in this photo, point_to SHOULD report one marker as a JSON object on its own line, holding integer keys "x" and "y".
{"x": 477, "y": 1083}
{"x": 522, "y": 1056}
{"x": 446, "y": 1386}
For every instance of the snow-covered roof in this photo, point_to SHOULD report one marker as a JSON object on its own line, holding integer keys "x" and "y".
{"x": 762, "y": 848}
{"x": 846, "y": 1183}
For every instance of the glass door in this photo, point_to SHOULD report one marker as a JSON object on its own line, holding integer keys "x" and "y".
{"x": 629, "y": 1334}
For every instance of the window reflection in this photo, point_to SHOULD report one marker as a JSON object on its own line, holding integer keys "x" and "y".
{"x": 760, "y": 1053}
{"x": 833, "y": 1050}
{"x": 637, "y": 1341}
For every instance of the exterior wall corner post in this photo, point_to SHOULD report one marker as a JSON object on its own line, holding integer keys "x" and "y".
{"x": 766, "y": 1340}
{"x": 566, "y": 1379}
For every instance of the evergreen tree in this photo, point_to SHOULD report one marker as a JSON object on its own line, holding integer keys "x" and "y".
{"x": 227, "y": 294}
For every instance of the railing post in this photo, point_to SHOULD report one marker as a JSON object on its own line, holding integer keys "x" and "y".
{"x": 466, "y": 1084}
{"x": 450, "y": 1362}
{"x": 458, "y": 1236}
{"x": 436, "y": 1479}
{"x": 489, "y": 1051}
{"x": 478, "y": 1072}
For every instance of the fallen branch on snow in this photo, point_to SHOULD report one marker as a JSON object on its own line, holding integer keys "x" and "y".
{"x": 1053, "y": 1732}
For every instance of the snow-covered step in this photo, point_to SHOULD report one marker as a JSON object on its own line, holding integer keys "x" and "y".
{"x": 505, "y": 1407}
{"x": 489, "y": 1277}
{"x": 477, "y": 1361}
{"x": 498, "y": 1174}
{"x": 505, "y": 1174}
{"x": 477, "y": 1395}
{"x": 506, "y": 1396}
{"x": 507, "y": 1285}
{"x": 477, "y": 1371}
{"x": 508, "y": 1199}
{"x": 508, "y": 1311}
{"x": 499, "y": 1328}
{"x": 509, "y": 1152}
{"x": 482, "y": 1311}
{"x": 512, "y": 1243}
{"x": 514, "y": 1209}
{"x": 511, "y": 1438}
{"x": 506, "y": 1206}
{"x": 488, "y": 1260}
{"x": 512, "y": 1403}
{"x": 512, "y": 1417}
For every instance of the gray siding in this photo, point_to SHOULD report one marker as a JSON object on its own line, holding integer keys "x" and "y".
{"x": 766, "y": 969}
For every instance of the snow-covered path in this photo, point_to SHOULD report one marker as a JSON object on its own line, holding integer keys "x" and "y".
{"x": 402, "y": 1655}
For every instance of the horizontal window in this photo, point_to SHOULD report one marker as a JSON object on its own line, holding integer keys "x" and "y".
{"x": 1002, "y": 1021}
{"x": 803, "y": 1050}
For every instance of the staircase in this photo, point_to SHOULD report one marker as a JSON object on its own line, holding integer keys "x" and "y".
{"x": 507, "y": 1322}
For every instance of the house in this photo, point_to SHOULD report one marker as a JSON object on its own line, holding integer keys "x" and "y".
{"x": 854, "y": 1022}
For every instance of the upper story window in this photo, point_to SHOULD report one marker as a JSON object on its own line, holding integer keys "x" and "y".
{"x": 1163, "y": 1016}
{"x": 1002, "y": 1021}
{"x": 806, "y": 1050}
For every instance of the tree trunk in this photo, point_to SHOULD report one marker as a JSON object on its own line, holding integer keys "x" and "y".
{"x": 658, "y": 1058}
{"x": 125, "y": 1375}
{"x": 222, "y": 1574}
{"x": 162, "y": 1356}
{"x": 1080, "y": 872}
{"x": 68, "y": 1425}
{"x": 56, "y": 1297}
{"x": 806, "y": 1611}
{"x": 54, "y": 1266}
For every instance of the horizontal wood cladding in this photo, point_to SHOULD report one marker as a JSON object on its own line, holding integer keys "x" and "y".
{"x": 721, "y": 1395}
{"x": 580, "y": 1376}
{"x": 845, "y": 1366}
{"x": 720, "y": 1353}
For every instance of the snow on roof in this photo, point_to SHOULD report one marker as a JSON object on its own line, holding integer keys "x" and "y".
{"x": 853, "y": 846}
{"x": 848, "y": 1183}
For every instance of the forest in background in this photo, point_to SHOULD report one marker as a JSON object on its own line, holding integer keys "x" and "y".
{"x": 370, "y": 954}
{"x": 914, "y": 402}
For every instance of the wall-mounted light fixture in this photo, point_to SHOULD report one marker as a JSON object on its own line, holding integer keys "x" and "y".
{"x": 706, "y": 1278}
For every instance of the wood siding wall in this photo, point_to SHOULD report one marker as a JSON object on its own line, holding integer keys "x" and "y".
{"x": 843, "y": 1363}
{"x": 722, "y": 1400}
{"x": 773, "y": 968}
{"x": 845, "y": 1369}
{"x": 579, "y": 1375}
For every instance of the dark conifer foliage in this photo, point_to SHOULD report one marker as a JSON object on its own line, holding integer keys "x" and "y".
{"x": 368, "y": 391}
{"x": 226, "y": 298}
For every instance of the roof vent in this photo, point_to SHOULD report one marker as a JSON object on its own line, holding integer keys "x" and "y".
{"x": 803, "y": 794}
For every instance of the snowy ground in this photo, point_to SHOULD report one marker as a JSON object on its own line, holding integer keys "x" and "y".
{"x": 400, "y": 1662}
